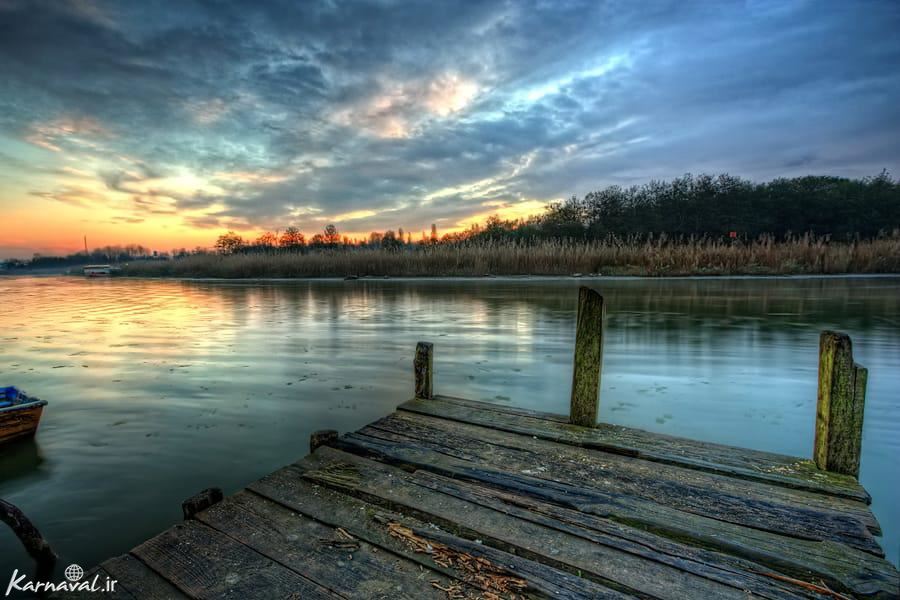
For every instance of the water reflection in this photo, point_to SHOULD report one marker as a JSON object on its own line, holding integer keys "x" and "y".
{"x": 160, "y": 388}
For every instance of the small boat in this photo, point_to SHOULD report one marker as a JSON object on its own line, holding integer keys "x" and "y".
{"x": 19, "y": 414}
{"x": 98, "y": 270}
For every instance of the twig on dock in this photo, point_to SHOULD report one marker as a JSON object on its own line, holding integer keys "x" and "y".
{"x": 494, "y": 580}
{"x": 821, "y": 589}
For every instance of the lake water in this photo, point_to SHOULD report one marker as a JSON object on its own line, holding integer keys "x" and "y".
{"x": 158, "y": 389}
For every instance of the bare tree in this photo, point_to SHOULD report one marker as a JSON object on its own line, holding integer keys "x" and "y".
{"x": 229, "y": 243}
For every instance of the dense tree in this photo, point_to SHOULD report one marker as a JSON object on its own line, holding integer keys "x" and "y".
{"x": 389, "y": 241}
{"x": 229, "y": 243}
{"x": 707, "y": 206}
{"x": 292, "y": 238}
{"x": 332, "y": 237}
{"x": 267, "y": 240}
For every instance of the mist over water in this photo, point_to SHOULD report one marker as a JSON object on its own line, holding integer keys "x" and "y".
{"x": 158, "y": 389}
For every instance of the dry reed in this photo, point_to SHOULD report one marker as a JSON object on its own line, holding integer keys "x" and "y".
{"x": 649, "y": 258}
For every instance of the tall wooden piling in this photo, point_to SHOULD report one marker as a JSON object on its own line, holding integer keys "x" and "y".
{"x": 588, "y": 358}
{"x": 422, "y": 368}
{"x": 840, "y": 406}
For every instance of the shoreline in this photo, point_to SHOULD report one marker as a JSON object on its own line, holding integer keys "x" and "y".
{"x": 408, "y": 278}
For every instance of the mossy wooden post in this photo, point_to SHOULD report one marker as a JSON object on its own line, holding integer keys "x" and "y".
{"x": 588, "y": 358}
{"x": 422, "y": 367}
{"x": 840, "y": 406}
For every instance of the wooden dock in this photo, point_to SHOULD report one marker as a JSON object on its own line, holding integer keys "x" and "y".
{"x": 449, "y": 498}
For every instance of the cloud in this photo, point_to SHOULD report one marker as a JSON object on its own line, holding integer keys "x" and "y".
{"x": 382, "y": 114}
{"x": 401, "y": 109}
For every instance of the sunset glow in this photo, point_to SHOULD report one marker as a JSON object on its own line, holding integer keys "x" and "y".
{"x": 124, "y": 124}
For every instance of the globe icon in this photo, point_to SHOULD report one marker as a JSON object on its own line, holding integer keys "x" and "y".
{"x": 74, "y": 573}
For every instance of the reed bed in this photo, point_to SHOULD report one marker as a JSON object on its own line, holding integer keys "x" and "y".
{"x": 652, "y": 258}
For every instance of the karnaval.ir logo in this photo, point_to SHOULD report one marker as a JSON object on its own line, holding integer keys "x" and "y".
{"x": 73, "y": 573}
{"x": 74, "y": 582}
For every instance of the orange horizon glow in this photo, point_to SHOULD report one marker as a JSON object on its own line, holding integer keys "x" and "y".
{"x": 51, "y": 214}
{"x": 58, "y": 225}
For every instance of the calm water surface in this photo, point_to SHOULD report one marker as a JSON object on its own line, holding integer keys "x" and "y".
{"x": 158, "y": 389}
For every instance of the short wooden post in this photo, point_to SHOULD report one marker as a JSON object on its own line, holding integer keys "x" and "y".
{"x": 422, "y": 367}
{"x": 321, "y": 438}
{"x": 840, "y": 406}
{"x": 588, "y": 358}
{"x": 201, "y": 501}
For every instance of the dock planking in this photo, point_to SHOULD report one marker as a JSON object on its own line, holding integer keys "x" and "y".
{"x": 562, "y": 520}
{"x": 459, "y": 499}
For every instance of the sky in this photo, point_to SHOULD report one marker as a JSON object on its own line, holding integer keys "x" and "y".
{"x": 168, "y": 123}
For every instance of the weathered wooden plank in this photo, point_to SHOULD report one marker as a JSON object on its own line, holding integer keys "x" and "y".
{"x": 755, "y": 488}
{"x": 757, "y": 545}
{"x": 353, "y": 568}
{"x": 365, "y": 521}
{"x": 753, "y": 504}
{"x": 204, "y": 563}
{"x": 588, "y": 360}
{"x": 868, "y": 577}
{"x": 617, "y": 555}
{"x": 138, "y": 579}
{"x": 827, "y": 558}
{"x": 840, "y": 406}
{"x": 368, "y": 522}
{"x": 735, "y": 462}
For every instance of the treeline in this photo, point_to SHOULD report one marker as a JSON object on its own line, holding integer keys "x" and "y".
{"x": 709, "y": 207}
{"x": 705, "y": 207}
{"x": 720, "y": 207}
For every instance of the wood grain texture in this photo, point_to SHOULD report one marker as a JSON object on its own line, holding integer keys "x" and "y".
{"x": 139, "y": 580}
{"x": 840, "y": 406}
{"x": 350, "y": 567}
{"x": 753, "y": 504}
{"x": 423, "y": 370}
{"x": 404, "y": 508}
{"x": 16, "y": 422}
{"x": 585, "y": 400}
{"x": 847, "y": 567}
{"x": 204, "y": 563}
{"x": 367, "y": 522}
{"x": 742, "y": 463}
{"x": 619, "y": 556}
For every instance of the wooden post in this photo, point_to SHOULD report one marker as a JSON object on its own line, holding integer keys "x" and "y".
{"x": 320, "y": 438}
{"x": 201, "y": 501}
{"x": 588, "y": 358}
{"x": 840, "y": 406}
{"x": 422, "y": 367}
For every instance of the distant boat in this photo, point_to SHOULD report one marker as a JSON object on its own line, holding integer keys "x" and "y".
{"x": 99, "y": 270}
{"x": 19, "y": 414}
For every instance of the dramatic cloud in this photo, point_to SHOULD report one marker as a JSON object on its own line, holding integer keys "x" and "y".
{"x": 383, "y": 114}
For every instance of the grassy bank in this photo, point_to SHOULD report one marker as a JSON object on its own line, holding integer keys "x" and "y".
{"x": 656, "y": 258}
